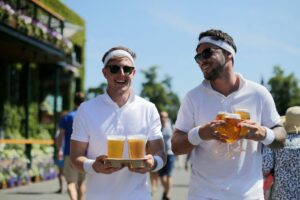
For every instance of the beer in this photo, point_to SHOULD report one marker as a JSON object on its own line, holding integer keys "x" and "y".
{"x": 232, "y": 128}
{"x": 245, "y": 115}
{"x": 115, "y": 145}
{"x": 221, "y": 116}
{"x": 136, "y": 146}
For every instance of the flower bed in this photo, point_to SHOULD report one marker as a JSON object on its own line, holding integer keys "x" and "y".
{"x": 14, "y": 170}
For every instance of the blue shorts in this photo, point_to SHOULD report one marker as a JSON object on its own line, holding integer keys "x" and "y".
{"x": 59, "y": 163}
{"x": 168, "y": 168}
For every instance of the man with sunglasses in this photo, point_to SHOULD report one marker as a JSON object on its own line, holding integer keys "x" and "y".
{"x": 213, "y": 174}
{"x": 118, "y": 111}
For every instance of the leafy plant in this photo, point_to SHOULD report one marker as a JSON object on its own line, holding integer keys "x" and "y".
{"x": 160, "y": 92}
{"x": 284, "y": 89}
{"x": 12, "y": 120}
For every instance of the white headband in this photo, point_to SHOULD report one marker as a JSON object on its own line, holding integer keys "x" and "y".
{"x": 224, "y": 45}
{"x": 118, "y": 54}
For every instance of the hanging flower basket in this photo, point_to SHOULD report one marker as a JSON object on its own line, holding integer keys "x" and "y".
{"x": 33, "y": 28}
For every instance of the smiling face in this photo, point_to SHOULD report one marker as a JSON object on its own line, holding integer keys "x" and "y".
{"x": 118, "y": 83}
{"x": 214, "y": 65}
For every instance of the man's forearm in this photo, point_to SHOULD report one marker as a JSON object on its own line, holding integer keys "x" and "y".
{"x": 180, "y": 143}
{"x": 78, "y": 163}
{"x": 59, "y": 139}
{"x": 280, "y": 136}
{"x": 77, "y": 154}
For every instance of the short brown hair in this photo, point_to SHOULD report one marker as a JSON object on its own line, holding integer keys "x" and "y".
{"x": 79, "y": 98}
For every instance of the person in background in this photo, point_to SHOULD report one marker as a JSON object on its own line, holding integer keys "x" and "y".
{"x": 117, "y": 109}
{"x": 154, "y": 182}
{"x": 59, "y": 161}
{"x": 165, "y": 173}
{"x": 284, "y": 164}
{"x": 187, "y": 162}
{"x": 214, "y": 176}
{"x": 75, "y": 179}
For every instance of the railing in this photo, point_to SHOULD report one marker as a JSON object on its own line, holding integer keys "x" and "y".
{"x": 26, "y": 141}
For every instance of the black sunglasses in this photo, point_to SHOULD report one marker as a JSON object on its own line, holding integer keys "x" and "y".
{"x": 116, "y": 68}
{"x": 205, "y": 54}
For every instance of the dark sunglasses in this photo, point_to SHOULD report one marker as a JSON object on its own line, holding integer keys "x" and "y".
{"x": 116, "y": 68}
{"x": 205, "y": 54}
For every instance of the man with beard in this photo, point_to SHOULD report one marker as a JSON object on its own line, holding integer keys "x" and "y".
{"x": 214, "y": 175}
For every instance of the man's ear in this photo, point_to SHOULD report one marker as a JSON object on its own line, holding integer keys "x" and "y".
{"x": 229, "y": 56}
{"x": 133, "y": 72}
{"x": 104, "y": 72}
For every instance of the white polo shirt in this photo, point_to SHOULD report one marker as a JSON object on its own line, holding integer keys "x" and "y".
{"x": 101, "y": 116}
{"x": 213, "y": 175}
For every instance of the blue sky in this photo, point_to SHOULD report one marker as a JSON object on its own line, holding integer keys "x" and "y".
{"x": 164, "y": 33}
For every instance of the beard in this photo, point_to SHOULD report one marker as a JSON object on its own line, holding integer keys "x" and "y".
{"x": 214, "y": 73}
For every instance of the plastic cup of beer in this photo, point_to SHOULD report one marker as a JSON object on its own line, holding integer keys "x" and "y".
{"x": 221, "y": 116}
{"x": 115, "y": 146}
{"x": 136, "y": 146}
{"x": 232, "y": 128}
{"x": 245, "y": 115}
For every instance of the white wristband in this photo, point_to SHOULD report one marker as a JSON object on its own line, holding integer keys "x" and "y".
{"x": 159, "y": 163}
{"x": 88, "y": 166}
{"x": 194, "y": 137}
{"x": 270, "y": 136}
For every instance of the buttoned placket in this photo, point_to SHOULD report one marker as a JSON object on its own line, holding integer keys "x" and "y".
{"x": 118, "y": 124}
{"x": 119, "y": 127}
{"x": 225, "y": 101}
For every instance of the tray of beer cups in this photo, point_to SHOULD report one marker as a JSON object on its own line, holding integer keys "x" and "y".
{"x": 136, "y": 150}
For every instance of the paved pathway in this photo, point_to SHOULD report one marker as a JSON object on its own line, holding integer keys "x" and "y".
{"x": 35, "y": 191}
{"x": 46, "y": 190}
{"x": 180, "y": 185}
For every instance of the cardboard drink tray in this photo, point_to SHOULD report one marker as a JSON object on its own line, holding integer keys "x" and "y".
{"x": 134, "y": 163}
